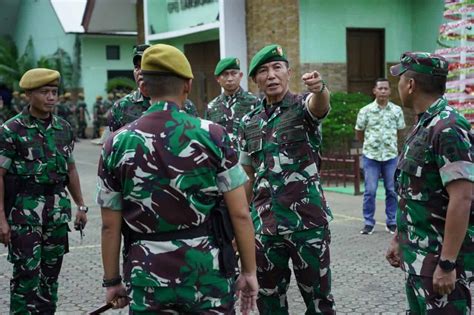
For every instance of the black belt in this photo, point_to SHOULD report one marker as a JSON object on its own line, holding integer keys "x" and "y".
{"x": 41, "y": 189}
{"x": 189, "y": 233}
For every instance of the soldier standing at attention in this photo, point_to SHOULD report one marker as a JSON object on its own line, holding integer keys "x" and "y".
{"x": 16, "y": 102}
{"x": 36, "y": 156}
{"x": 228, "y": 108}
{"x": 132, "y": 106}
{"x": 279, "y": 142}
{"x": 97, "y": 116}
{"x": 82, "y": 115}
{"x": 434, "y": 243}
{"x": 180, "y": 168}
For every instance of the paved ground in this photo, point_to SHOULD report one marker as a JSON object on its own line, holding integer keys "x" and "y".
{"x": 363, "y": 283}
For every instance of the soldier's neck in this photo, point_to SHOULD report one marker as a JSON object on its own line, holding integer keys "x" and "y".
{"x": 173, "y": 99}
{"x": 230, "y": 92}
{"x": 423, "y": 102}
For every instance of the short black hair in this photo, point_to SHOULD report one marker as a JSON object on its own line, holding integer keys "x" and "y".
{"x": 380, "y": 80}
{"x": 163, "y": 85}
{"x": 430, "y": 84}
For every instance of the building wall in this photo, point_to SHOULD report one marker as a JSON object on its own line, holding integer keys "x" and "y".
{"x": 161, "y": 19}
{"x": 95, "y": 63}
{"x": 408, "y": 25}
{"x": 274, "y": 22}
{"x": 38, "y": 20}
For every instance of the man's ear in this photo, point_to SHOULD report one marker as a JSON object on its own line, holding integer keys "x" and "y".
{"x": 143, "y": 88}
{"x": 411, "y": 86}
{"x": 187, "y": 86}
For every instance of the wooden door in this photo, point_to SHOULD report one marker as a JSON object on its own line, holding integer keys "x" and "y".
{"x": 365, "y": 59}
{"x": 203, "y": 58}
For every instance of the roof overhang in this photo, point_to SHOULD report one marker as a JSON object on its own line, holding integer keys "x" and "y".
{"x": 110, "y": 16}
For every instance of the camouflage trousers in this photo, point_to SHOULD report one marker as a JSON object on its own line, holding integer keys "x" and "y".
{"x": 36, "y": 253}
{"x": 422, "y": 300}
{"x": 186, "y": 280}
{"x": 309, "y": 253}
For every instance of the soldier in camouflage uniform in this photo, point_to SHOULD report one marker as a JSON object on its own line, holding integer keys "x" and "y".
{"x": 36, "y": 150}
{"x": 15, "y": 103}
{"x": 228, "y": 108}
{"x": 132, "y": 106}
{"x": 82, "y": 114}
{"x": 4, "y": 112}
{"x": 164, "y": 174}
{"x": 434, "y": 243}
{"x": 98, "y": 116}
{"x": 279, "y": 142}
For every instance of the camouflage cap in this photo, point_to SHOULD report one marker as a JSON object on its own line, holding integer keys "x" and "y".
{"x": 421, "y": 62}
{"x": 226, "y": 64}
{"x": 166, "y": 59}
{"x": 266, "y": 54}
{"x": 38, "y": 77}
{"x": 138, "y": 52}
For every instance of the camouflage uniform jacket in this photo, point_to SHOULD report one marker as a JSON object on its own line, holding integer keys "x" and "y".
{"x": 130, "y": 107}
{"x": 438, "y": 151}
{"x": 281, "y": 143}
{"x": 228, "y": 111}
{"x": 165, "y": 172}
{"x": 380, "y": 127}
{"x": 38, "y": 155}
{"x": 5, "y": 114}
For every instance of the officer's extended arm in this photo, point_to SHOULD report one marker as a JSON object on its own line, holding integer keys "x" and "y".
{"x": 319, "y": 98}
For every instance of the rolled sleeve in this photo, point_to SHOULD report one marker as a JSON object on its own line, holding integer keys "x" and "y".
{"x": 315, "y": 119}
{"x": 5, "y": 162}
{"x": 107, "y": 198}
{"x": 361, "y": 121}
{"x": 245, "y": 159}
{"x": 232, "y": 178}
{"x": 457, "y": 170}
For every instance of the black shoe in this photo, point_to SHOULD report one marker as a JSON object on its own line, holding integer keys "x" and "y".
{"x": 391, "y": 228}
{"x": 367, "y": 230}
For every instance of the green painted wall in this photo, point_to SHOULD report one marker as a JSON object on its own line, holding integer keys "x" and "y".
{"x": 179, "y": 42}
{"x": 427, "y": 16}
{"x": 38, "y": 20}
{"x": 95, "y": 63}
{"x": 162, "y": 21}
{"x": 408, "y": 24}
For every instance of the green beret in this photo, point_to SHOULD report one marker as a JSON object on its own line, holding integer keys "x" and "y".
{"x": 421, "y": 62}
{"x": 138, "y": 52}
{"x": 38, "y": 77}
{"x": 226, "y": 64}
{"x": 166, "y": 59}
{"x": 266, "y": 54}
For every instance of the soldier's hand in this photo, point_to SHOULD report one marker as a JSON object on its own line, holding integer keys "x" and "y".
{"x": 117, "y": 296}
{"x": 444, "y": 282}
{"x": 247, "y": 290}
{"x": 4, "y": 232}
{"x": 393, "y": 253}
{"x": 81, "y": 218}
{"x": 313, "y": 81}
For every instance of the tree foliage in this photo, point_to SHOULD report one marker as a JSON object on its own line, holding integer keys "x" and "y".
{"x": 338, "y": 127}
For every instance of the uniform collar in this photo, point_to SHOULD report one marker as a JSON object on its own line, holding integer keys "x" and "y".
{"x": 434, "y": 109}
{"x": 287, "y": 101}
{"x": 161, "y": 106}
{"x": 30, "y": 121}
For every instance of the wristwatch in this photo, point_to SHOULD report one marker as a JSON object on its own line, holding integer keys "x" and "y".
{"x": 83, "y": 208}
{"x": 446, "y": 265}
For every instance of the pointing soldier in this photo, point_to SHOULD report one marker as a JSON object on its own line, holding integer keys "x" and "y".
{"x": 167, "y": 191}
{"x": 434, "y": 243}
{"x": 36, "y": 164}
{"x": 228, "y": 108}
{"x": 279, "y": 143}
